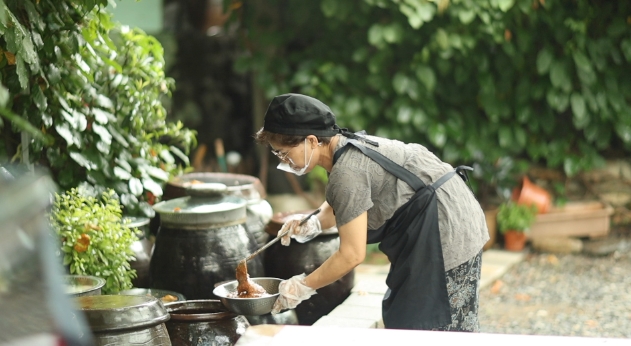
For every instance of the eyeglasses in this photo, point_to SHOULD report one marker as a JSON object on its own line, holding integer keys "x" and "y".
{"x": 281, "y": 155}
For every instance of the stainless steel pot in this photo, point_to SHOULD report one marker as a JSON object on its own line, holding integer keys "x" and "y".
{"x": 126, "y": 320}
{"x": 200, "y": 241}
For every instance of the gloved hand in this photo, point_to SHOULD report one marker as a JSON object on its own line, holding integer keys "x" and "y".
{"x": 292, "y": 292}
{"x": 302, "y": 234}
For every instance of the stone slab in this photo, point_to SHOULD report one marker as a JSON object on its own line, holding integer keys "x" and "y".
{"x": 364, "y": 299}
{"x": 334, "y": 321}
{"x": 354, "y": 311}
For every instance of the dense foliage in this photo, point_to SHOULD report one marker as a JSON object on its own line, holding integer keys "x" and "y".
{"x": 476, "y": 81}
{"x": 91, "y": 92}
{"x": 94, "y": 239}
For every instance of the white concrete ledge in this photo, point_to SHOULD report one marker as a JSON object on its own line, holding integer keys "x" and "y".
{"x": 363, "y": 307}
{"x": 272, "y": 335}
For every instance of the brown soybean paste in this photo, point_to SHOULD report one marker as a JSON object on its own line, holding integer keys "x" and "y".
{"x": 247, "y": 288}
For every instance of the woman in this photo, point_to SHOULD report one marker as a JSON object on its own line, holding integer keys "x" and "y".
{"x": 417, "y": 207}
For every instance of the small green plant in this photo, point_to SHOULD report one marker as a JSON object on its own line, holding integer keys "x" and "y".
{"x": 94, "y": 239}
{"x": 515, "y": 217}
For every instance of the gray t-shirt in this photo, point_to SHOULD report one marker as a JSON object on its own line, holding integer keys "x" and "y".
{"x": 358, "y": 184}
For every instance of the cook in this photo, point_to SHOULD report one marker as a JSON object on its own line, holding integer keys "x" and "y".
{"x": 400, "y": 195}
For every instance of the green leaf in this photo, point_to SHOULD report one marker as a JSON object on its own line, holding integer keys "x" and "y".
{"x": 466, "y": 16}
{"x": 625, "y": 47}
{"x": 505, "y": 137}
{"x": 105, "y": 135}
{"x": 426, "y": 75}
{"x": 4, "y": 96}
{"x": 38, "y": 97}
{"x": 121, "y": 173}
{"x": 175, "y": 150}
{"x": 581, "y": 118}
{"x": 505, "y": 5}
{"x": 559, "y": 76}
{"x": 157, "y": 173}
{"x": 437, "y": 134}
{"x": 82, "y": 160}
{"x": 65, "y": 133}
{"x": 21, "y": 71}
{"x": 544, "y": 60}
{"x": 624, "y": 132}
{"x": 152, "y": 186}
{"x": 558, "y": 100}
{"x": 101, "y": 116}
{"x": 135, "y": 186}
{"x": 571, "y": 165}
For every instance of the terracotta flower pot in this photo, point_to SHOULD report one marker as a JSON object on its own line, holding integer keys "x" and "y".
{"x": 514, "y": 240}
{"x": 530, "y": 193}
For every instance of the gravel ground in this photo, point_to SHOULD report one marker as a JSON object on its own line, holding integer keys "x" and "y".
{"x": 562, "y": 294}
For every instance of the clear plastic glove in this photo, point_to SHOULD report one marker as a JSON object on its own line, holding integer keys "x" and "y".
{"x": 302, "y": 234}
{"x": 292, "y": 292}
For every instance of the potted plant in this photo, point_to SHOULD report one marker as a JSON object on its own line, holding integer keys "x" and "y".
{"x": 513, "y": 220}
{"x": 94, "y": 239}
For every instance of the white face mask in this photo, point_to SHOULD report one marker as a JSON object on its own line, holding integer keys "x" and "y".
{"x": 284, "y": 166}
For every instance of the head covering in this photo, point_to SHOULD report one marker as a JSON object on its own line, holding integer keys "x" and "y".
{"x": 299, "y": 115}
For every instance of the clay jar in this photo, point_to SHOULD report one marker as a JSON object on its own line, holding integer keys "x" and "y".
{"x": 250, "y": 188}
{"x": 530, "y": 193}
{"x": 203, "y": 322}
{"x": 142, "y": 248}
{"x": 286, "y": 261}
{"x": 200, "y": 241}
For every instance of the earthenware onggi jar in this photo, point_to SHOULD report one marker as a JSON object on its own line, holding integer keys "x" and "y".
{"x": 200, "y": 241}
{"x": 204, "y": 322}
{"x": 286, "y": 261}
{"x": 248, "y": 187}
{"x": 125, "y": 320}
{"x": 142, "y": 248}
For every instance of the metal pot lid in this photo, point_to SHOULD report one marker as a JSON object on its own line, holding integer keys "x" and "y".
{"x": 119, "y": 312}
{"x": 205, "y": 208}
{"x": 136, "y": 221}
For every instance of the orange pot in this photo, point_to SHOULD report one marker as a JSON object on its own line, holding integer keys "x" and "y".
{"x": 514, "y": 240}
{"x": 530, "y": 193}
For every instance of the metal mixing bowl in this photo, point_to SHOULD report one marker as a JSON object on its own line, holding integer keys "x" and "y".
{"x": 249, "y": 306}
{"x": 83, "y": 285}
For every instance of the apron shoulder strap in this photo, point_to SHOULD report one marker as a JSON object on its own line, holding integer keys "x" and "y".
{"x": 415, "y": 182}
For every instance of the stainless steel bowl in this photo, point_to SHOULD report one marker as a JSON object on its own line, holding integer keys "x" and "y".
{"x": 83, "y": 285}
{"x": 249, "y": 306}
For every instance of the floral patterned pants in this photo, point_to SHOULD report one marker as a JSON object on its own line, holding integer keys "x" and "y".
{"x": 463, "y": 290}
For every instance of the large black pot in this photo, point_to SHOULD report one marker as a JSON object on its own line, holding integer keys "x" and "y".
{"x": 286, "y": 261}
{"x": 200, "y": 242}
{"x": 204, "y": 322}
{"x": 125, "y": 320}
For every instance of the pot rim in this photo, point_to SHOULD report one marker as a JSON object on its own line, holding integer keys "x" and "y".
{"x": 174, "y": 307}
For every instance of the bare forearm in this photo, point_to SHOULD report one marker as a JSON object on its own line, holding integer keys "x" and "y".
{"x": 331, "y": 270}
{"x": 351, "y": 253}
{"x": 326, "y": 216}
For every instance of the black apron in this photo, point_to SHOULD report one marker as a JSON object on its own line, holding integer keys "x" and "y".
{"x": 417, "y": 289}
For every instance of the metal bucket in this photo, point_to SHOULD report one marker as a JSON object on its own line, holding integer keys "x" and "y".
{"x": 126, "y": 320}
